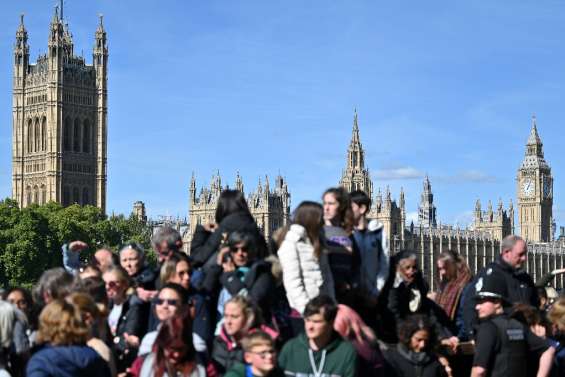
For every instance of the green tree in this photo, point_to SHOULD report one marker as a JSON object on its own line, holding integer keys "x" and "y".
{"x": 31, "y": 238}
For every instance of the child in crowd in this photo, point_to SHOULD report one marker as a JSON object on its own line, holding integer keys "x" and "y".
{"x": 260, "y": 357}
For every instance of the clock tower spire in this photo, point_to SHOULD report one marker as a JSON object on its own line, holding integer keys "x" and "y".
{"x": 535, "y": 191}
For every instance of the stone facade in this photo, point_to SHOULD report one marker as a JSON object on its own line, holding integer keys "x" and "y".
{"x": 499, "y": 224}
{"x": 269, "y": 206}
{"x": 139, "y": 211}
{"x": 535, "y": 192}
{"x": 59, "y": 120}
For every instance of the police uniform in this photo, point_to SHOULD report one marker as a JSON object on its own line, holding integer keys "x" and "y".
{"x": 502, "y": 344}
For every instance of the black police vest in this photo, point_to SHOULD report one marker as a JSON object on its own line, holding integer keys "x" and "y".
{"x": 511, "y": 360}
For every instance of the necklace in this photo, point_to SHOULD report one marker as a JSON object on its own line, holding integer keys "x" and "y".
{"x": 317, "y": 372}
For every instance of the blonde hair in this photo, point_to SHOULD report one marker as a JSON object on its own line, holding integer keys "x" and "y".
{"x": 168, "y": 270}
{"x": 557, "y": 314}
{"x": 256, "y": 338}
{"x": 61, "y": 324}
{"x": 248, "y": 310}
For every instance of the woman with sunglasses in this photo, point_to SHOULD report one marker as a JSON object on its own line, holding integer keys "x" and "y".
{"x": 173, "y": 354}
{"x": 127, "y": 319}
{"x": 171, "y": 299}
{"x": 232, "y": 214}
{"x": 239, "y": 272}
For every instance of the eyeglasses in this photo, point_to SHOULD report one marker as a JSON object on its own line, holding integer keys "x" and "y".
{"x": 170, "y": 302}
{"x": 264, "y": 354}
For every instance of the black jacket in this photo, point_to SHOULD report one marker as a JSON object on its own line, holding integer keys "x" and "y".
{"x": 400, "y": 362}
{"x": 395, "y": 307}
{"x": 517, "y": 285}
{"x": 258, "y": 282}
{"x": 205, "y": 244}
{"x": 133, "y": 321}
{"x": 225, "y": 353}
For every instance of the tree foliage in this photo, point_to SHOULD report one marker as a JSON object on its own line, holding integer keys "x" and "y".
{"x": 31, "y": 238}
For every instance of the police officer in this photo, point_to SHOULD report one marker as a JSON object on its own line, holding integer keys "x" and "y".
{"x": 515, "y": 284}
{"x": 502, "y": 344}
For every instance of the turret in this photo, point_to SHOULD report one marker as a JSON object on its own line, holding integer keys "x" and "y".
{"x": 192, "y": 191}
{"x": 478, "y": 212}
{"x": 238, "y": 182}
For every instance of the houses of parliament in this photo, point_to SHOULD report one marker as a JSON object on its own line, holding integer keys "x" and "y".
{"x": 59, "y": 153}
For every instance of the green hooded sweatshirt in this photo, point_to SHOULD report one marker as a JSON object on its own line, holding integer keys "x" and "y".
{"x": 340, "y": 359}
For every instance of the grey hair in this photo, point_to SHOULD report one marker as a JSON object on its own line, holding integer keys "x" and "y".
{"x": 56, "y": 282}
{"x": 509, "y": 242}
{"x": 134, "y": 246}
{"x": 166, "y": 234}
{"x": 7, "y": 320}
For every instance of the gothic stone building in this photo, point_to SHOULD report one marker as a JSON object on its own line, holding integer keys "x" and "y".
{"x": 269, "y": 206}
{"x": 59, "y": 120}
{"x": 480, "y": 244}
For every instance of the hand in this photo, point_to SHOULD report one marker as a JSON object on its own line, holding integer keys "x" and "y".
{"x": 451, "y": 343}
{"x": 228, "y": 266}
{"x": 131, "y": 340}
{"x": 145, "y": 295}
{"x": 77, "y": 246}
{"x": 539, "y": 330}
{"x": 220, "y": 258}
{"x": 210, "y": 227}
{"x": 445, "y": 363}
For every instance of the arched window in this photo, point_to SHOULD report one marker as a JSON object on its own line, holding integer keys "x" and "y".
{"x": 85, "y": 196}
{"x": 76, "y": 136}
{"x": 36, "y": 136}
{"x": 43, "y": 134}
{"x": 29, "y": 197}
{"x": 66, "y": 196}
{"x": 76, "y": 195}
{"x": 67, "y": 136}
{"x": 36, "y": 194}
{"x": 29, "y": 136}
{"x": 43, "y": 194}
{"x": 86, "y": 136}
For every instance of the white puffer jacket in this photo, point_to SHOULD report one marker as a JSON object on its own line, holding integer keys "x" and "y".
{"x": 304, "y": 276}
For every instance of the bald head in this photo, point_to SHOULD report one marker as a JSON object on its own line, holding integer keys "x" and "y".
{"x": 104, "y": 259}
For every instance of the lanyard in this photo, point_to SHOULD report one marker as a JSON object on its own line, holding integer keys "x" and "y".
{"x": 317, "y": 372}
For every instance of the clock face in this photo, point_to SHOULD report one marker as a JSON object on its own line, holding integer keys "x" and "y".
{"x": 528, "y": 187}
{"x": 546, "y": 188}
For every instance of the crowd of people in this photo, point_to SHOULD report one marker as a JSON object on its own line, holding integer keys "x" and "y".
{"x": 325, "y": 297}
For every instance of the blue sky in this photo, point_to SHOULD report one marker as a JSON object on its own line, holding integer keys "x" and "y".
{"x": 446, "y": 88}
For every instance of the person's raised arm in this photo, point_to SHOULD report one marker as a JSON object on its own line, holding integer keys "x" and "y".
{"x": 545, "y": 362}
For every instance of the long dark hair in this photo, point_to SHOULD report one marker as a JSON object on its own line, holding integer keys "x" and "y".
{"x": 412, "y": 325}
{"x": 230, "y": 201}
{"x": 175, "y": 330}
{"x": 311, "y": 216}
{"x": 344, "y": 210}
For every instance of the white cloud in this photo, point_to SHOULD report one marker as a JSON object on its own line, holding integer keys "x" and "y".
{"x": 403, "y": 172}
{"x": 464, "y": 219}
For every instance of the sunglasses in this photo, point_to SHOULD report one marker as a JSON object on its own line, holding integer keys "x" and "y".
{"x": 236, "y": 249}
{"x": 112, "y": 284}
{"x": 170, "y": 302}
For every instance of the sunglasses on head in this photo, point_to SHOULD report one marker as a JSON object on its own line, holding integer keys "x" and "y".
{"x": 170, "y": 302}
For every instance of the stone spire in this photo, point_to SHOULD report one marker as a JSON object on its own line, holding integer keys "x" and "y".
{"x": 426, "y": 209}
{"x": 355, "y": 176}
{"x": 238, "y": 182}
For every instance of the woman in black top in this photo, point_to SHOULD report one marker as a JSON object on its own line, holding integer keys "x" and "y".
{"x": 413, "y": 356}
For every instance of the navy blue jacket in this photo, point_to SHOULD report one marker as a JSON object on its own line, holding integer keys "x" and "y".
{"x": 67, "y": 361}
